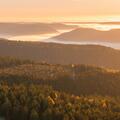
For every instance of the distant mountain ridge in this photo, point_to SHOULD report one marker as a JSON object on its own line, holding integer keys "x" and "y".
{"x": 62, "y": 54}
{"x": 90, "y": 35}
{"x": 14, "y": 29}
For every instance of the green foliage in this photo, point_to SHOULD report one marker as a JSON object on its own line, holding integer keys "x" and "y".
{"x": 78, "y": 92}
{"x": 11, "y": 62}
{"x": 33, "y": 102}
{"x": 74, "y": 79}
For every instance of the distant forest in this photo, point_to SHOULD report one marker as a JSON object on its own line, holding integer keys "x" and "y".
{"x": 62, "y": 54}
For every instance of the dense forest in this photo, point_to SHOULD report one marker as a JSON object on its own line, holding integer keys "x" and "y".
{"x": 35, "y": 102}
{"x": 41, "y": 91}
{"x": 73, "y": 79}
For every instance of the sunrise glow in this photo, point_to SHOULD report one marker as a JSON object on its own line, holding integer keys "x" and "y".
{"x": 59, "y": 10}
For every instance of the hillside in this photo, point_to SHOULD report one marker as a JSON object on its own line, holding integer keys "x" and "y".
{"x": 35, "y": 102}
{"x": 62, "y": 26}
{"x": 15, "y": 29}
{"x": 6, "y": 62}
{"x": 73, "y": 79}
{"x": 33, "y": 91}
{"x": 89, "y": 34}
{"x": 62, "y": 54}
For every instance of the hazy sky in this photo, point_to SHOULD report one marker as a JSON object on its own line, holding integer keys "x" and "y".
{"x": 54, "y": 9}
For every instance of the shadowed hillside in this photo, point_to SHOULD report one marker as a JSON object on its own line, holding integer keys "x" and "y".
{"x": 62, "y": 54}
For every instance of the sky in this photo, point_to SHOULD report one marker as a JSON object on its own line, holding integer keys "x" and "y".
{"x": 59, "y": 10}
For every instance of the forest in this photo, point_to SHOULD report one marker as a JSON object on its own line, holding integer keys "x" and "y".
{"x": 40, "y": 91}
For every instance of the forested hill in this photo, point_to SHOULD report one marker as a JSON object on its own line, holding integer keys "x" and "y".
{"x": 41, "y": 91}
{"x": 35, "y": 102}
{"x": 73, "y": 79}
{"x": 62, "y": 54}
